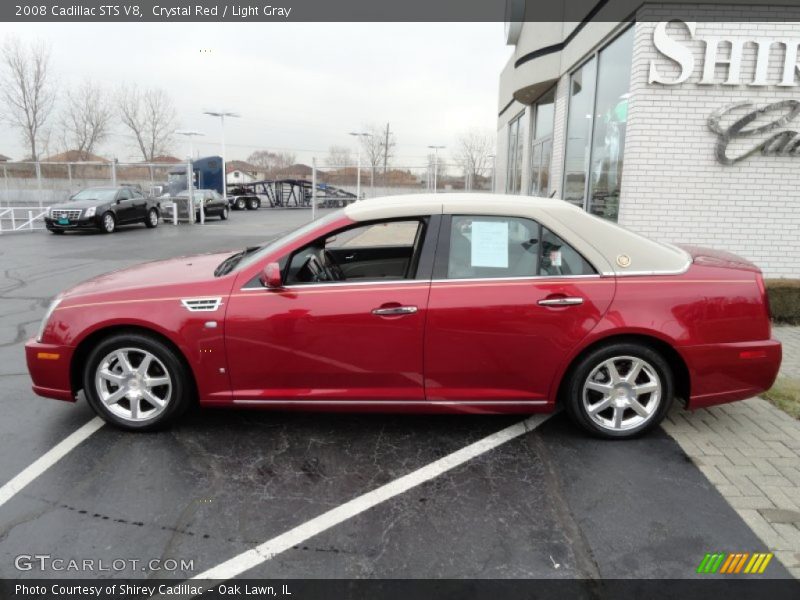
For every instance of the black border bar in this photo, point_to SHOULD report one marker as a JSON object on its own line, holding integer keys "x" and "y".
{"x": 704, "y": 588}
{"x": 578, "y": 11}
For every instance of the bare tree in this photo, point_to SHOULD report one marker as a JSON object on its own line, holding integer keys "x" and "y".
{"x": 339, "y": 157}
{"x": 151, "y": 118}
{"x": 474, "y": 149}
{"x": 27, "y": 89}
{"x": 272, "y": 162}
{"x": 86, "y": 118}
{"x": 373, "y": 146}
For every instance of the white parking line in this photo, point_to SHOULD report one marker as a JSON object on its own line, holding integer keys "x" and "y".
{"x": 264, "y": 552}
{"x": 48, "y": 459}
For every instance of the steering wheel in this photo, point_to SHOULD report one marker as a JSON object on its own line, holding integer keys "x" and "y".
{"x": 333, "y": 268}
{"x": 314, "y": 270}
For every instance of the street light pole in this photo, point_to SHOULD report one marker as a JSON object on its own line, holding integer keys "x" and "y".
{"x": 188, "y": 133}
{"x": 435, "y": 166}
{"x": 358, "y": 174}
{"x": 222, "y": 115}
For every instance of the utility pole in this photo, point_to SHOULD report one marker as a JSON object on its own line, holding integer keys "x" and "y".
{"x": 435, "y": 166}
{"x": 359, "y": 136}
{"x": 385, "y": 154}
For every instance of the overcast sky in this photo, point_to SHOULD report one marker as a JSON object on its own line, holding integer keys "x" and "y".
{"x": 297, "y": 86}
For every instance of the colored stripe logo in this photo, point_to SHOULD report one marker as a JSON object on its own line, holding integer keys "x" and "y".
{"x": 734, "y": 563}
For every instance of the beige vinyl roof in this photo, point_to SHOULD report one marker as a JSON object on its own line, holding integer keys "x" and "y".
{"x": 612, "y": 249}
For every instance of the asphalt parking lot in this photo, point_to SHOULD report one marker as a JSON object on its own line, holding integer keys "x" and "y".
{"x": 549, "y": 503}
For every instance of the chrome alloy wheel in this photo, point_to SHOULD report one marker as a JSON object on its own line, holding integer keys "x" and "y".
{"x": 108, "y": 222}
{"x": 153, "y": 216}
{"x": 622, "y": 393}
{"x": 133, "y": 384}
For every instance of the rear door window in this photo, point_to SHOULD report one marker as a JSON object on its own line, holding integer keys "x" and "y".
{"x": 485, "y": 247}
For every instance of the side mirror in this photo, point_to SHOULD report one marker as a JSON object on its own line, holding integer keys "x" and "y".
{"x": 271, "y": 276}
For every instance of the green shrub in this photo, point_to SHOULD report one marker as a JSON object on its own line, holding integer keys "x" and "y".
{"x": 784, "y": 300}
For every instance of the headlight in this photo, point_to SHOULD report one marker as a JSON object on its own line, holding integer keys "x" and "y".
{"x": 90, "y": 211}
{"x": 46, "y": 318}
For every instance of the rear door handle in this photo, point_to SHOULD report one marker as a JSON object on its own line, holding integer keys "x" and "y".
{"x": 394, "y": 311}
{"x": 562, "y": 301}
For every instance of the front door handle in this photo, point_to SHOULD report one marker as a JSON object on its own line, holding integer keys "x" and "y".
{"x": 394, "y": 311}
{"x": 561, "y": 301}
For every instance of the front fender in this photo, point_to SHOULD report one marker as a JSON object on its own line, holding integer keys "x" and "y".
{"x": 198, "y": 336}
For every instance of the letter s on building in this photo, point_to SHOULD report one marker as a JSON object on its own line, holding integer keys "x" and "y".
{"x": 674, "y": 50}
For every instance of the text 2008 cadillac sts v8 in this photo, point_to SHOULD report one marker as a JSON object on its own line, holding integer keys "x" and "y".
{"x": 447, "y": 303}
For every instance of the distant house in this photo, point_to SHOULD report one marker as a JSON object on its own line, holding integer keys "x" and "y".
{"x": 166, "y": 159}
{"x": 4, "y": 158}
{"x": 297, "y": 171}
{"x": 72, "y": 156}
{"x": 240, "y": 171}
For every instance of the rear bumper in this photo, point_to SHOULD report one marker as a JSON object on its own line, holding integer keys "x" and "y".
{"x": 48, "y": 365}
{"x": 727, "y": 372}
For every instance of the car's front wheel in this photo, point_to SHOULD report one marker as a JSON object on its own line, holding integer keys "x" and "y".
{"x": 152, "y": 218}
{"x": 224, "y": 214}
{"x": 620, "y": 390}
{"x": 108, "y": 223}
{"x": 136, "y": 382}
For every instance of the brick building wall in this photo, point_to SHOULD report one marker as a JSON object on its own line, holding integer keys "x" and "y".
{"x": 673, "y": 188}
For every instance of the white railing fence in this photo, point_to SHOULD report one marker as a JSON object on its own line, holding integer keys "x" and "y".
{"x": 21, "y": 218}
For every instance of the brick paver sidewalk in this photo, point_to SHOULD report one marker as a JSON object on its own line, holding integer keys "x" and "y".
{"x": 790, "y": 339}
{"x": 750, "y": 451}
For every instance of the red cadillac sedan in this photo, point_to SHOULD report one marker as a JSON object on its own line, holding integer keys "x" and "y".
{"x": 470, "y": 303}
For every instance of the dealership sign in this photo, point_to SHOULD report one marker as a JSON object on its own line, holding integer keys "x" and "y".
{"x": 767, "y": 125}
{"x": 767, "y": 143}
{"x": 683, "y": 56}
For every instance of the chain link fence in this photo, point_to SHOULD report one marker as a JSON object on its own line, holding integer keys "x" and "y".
{"x": 28, "y": 189}
{"x": 42, "y": 184}
{"x": 396, "y": 180}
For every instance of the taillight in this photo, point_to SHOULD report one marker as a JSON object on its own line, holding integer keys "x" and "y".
{"x": 764, "y": 298}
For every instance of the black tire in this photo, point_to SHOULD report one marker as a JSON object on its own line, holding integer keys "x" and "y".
{"x": 240, "y": 204}
{"x": 181, "y": 395}
{"x": 57, "y": 231}
{"x": 108, "y": 223}
{"x": 655, "y": 370}
{"x": 151, "y": 220}
{"x": 224, "y": 214}
{"x": 253, "y": 204}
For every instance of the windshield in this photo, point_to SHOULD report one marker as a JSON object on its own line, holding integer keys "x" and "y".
{"x": 287, "y": 239}
{"x": 90, "y": 194}
{"x": 198, "y": 196}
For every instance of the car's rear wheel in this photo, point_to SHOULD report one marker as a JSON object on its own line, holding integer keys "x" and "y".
{"x": 253, "y": 204}
{"x": 224, "y": 214}
{"x": 152, "y": 218}
{"x": 136, "y": 382}
{"x": 620, "y": 391}
{"x": 108, "y": 223}
{"x": 241, "y": 204}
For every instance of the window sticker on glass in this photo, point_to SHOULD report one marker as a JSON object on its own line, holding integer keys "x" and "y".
{"x": 555, "y": 258}
{"x": 490, "y": 244}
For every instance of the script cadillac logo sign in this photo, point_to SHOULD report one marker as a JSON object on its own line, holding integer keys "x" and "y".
{"x": 730, "y": 130}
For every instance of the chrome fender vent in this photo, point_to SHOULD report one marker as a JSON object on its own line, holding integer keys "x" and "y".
{"x": 201, "y": 304}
